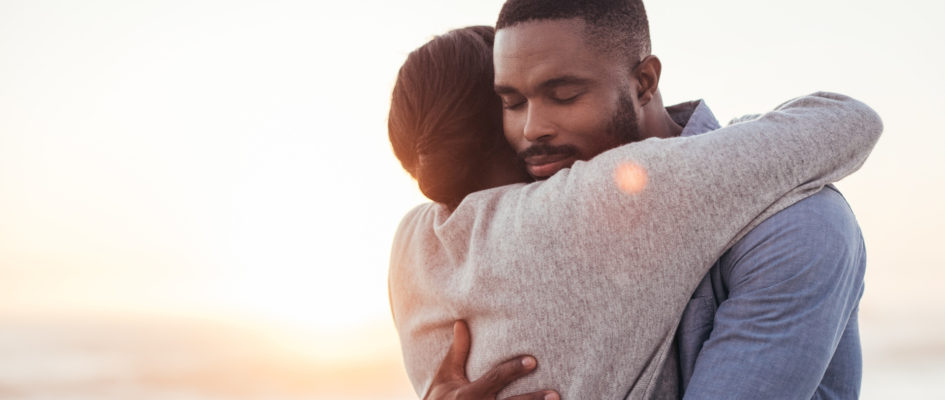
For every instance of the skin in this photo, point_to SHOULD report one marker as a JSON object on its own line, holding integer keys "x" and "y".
{"x": 503, "y": 168}
{"x": 560, "y": 93}
{"x": 450, "y": 381}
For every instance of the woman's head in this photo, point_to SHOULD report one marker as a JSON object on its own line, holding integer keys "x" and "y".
{"x": 445, "y": 122}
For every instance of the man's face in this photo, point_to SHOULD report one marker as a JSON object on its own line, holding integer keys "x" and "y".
{"x": 563, "y": 100}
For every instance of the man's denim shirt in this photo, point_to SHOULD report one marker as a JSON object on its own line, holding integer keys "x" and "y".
{"x": 776, "y": 316}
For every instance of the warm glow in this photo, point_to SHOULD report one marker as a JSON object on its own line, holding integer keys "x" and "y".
{"x": 201, "y": 192}
{"x": 631, "y": 178}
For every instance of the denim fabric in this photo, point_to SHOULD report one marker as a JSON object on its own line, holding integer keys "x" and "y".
{"x": 776, "y": 316}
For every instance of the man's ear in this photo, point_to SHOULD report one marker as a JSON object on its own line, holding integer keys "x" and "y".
{"x": 647, "y": 76}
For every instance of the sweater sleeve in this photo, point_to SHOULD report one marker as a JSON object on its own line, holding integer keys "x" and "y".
{"x": 708, "y": 190}
{"x": 615, "y": 244}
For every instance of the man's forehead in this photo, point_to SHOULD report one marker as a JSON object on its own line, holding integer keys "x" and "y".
{"x": 530, "y": 53}
{"x": 524, "y": 38}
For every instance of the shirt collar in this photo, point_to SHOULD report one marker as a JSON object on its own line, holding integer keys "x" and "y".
{"x": 694, "y": 116}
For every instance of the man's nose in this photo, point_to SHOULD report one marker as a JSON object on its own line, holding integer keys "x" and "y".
{"x": 537, "y": 126}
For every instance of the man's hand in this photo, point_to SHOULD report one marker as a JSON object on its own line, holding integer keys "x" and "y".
{"x": 450, "y": 382}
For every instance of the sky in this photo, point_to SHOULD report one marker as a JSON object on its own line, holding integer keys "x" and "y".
{"x": 228, "y": 160}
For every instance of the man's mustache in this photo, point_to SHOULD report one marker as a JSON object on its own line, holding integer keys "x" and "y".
{"x": 547, "y": 150}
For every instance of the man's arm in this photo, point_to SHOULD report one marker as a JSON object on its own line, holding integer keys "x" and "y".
{"x": 793, "y": 283}
{"x": 621, "y": 250}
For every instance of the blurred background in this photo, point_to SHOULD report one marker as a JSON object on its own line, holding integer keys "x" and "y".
{"x": 198, "y": 197}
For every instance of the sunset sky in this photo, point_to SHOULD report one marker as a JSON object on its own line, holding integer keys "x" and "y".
{"x": 228, "y": 160}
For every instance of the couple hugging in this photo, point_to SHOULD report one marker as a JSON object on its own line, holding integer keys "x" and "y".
{"x": 588, "y": 242}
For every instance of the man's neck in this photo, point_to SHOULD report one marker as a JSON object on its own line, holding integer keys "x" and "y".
{"x": 662, "y": 126}
{"x": 657, "y": 122}
{"x": 672, "y": 128}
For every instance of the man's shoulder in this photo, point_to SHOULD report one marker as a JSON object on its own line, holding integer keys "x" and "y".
{"x": 823, "y": 213}
{"x": 817, "y": 227}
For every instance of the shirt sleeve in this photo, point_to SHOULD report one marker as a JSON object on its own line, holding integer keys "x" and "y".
{"x": 793, "y": 282}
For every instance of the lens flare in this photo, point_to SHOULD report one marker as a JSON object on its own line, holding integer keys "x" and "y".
{"x": 631, "y": 178}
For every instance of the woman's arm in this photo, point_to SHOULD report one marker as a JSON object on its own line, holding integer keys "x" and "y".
{"x": 707, "y": 190}
{"x": 577, "y": 252}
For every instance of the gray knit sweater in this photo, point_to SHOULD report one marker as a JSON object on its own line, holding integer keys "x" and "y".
{"x": 592, "y": 279}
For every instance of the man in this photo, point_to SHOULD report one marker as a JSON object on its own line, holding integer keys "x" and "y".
{"x": 586, "y": 272}
{"x": 775, "y": 317}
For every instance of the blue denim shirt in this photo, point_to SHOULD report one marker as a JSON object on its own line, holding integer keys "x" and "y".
{"x": 776, "y": 316}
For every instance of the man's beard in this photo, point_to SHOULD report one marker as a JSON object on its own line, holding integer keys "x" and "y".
{"x": 624, "y": 123}
{"x": 622, "y": 126}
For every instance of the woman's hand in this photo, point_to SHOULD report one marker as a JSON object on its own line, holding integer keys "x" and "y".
{"x": 450, "y": 382}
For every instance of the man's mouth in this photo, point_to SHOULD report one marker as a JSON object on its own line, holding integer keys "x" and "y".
{"x": 545, "y": 165}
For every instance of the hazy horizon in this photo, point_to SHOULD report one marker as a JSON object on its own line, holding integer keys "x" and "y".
{"x": 187, "y": 184}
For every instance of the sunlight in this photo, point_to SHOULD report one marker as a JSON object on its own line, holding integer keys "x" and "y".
{"x": 228, "y": 161}
{"x": 631, "y": 178}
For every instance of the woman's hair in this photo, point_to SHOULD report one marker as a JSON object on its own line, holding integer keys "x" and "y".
{"x": 445, "y": 119}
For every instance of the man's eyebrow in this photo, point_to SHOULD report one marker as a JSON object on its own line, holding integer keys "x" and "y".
{"x": 564, "y": 81}
{"x": 549, "y": 84}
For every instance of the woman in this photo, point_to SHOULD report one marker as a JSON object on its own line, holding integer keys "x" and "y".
{"x": 445, "y": 122}
{"x": 615, "y": 266}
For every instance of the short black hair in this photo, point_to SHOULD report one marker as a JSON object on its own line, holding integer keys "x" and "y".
{"x": 616, "y": 27}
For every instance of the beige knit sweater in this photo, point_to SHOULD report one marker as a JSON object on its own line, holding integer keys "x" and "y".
{"x": 592, "y": 279}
